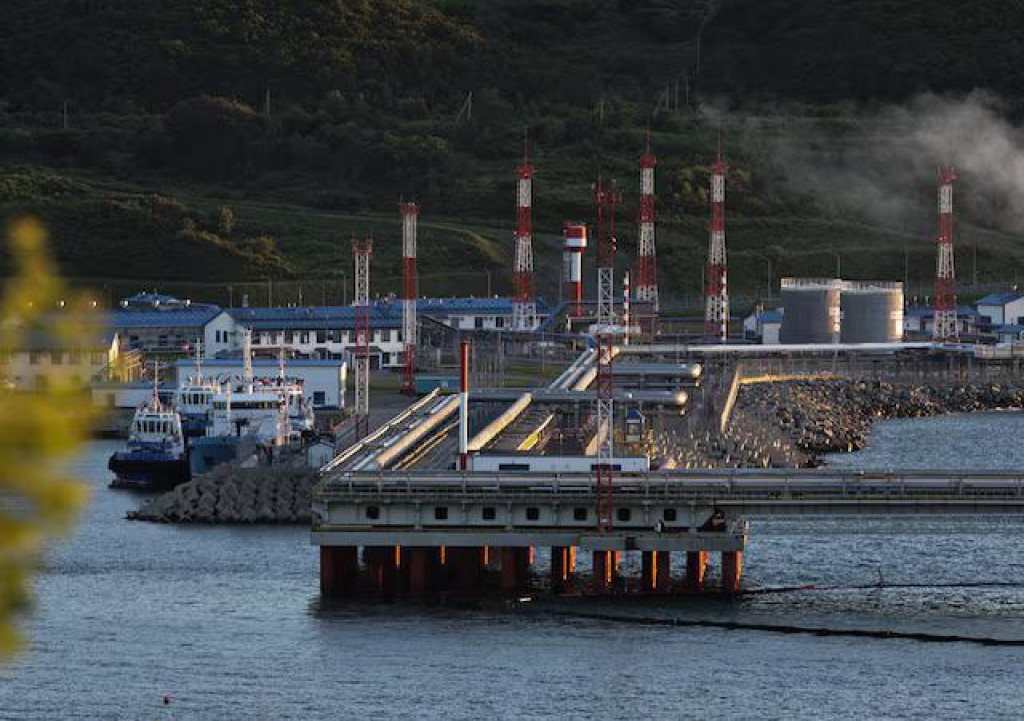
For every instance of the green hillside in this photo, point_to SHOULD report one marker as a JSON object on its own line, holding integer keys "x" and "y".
{"x": 131, "y": 127}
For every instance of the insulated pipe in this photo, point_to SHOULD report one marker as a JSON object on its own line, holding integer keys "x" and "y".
{"x": 403, "y": 443}
{"x": 499, "y": 424}
{"x": 464, "y": 409}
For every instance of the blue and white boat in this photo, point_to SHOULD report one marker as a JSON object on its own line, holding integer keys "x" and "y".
{"x": 155, "y": 457}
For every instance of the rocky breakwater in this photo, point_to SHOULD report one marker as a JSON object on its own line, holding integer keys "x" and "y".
{"x": 235, "y": 496}
{"x": 835, "y": 415}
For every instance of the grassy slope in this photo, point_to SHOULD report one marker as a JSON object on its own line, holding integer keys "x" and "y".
{"x": 548, "y": 69}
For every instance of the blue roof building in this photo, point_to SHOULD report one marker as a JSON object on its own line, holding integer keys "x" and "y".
{"x": 1002, "y": 308}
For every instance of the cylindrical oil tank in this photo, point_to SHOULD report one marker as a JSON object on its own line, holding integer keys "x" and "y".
{"x": 872, "y": 312}
{"x": 811, "y": 310}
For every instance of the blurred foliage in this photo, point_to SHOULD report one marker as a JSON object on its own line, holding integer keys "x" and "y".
{"x": 39, "y": 431}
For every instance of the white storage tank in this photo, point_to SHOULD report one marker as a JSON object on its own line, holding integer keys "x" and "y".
{"x": 872, "y": 312}
{"x": 812, "y": 311}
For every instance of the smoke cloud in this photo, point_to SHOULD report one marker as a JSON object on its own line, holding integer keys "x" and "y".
{"x": 883, "y": 167}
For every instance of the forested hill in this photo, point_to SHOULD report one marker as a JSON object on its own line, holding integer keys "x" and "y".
{"x": 310, "y": 118}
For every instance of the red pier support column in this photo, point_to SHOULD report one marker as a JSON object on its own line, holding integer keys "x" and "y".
{"x": 466, "y": 566}
{"x": 420, "y": 567}
{"x": 655, "y": 568}
{"x": 515, "y": 567}
{"x": 339, "y": 571}
{"x": 606, "y": 570}
{"x": 559, "y": 568}
{"x": 732, "y": 570}
{"x": 696, "y": 565}
{"x": 383, "y": 563}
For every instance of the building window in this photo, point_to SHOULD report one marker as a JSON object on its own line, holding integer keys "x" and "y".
{"x": 440, "y": 513}
{"x": 319, "y": 398}
{"x": 532, "y": 513}
{"x": 489, "y": 513}
{"x": 513, "y": 466}
{"x": 75, "y": 357}
{"x": 33, "y": 357}
{"x": 579, "y": 514}
{"x": 373, "y": 512}
{"x": 56, "y": 357}
{"x": 623, "y": 514}
{"x": 97, "y": 358}
{"x": 669, "y": 514}
{"x": 478, "y": 322}
{"x": 499, "y": 322}
{"x": 321, "y": 336}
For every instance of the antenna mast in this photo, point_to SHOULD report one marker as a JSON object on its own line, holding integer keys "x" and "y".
{"x": 361, "y": 252}
{"x": 945, "y": 327}
{"x": 716, "y": 292}
{"x": 647, "y": 262}
{"x": 524, "y": 304}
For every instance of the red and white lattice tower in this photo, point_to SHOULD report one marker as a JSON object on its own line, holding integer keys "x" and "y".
{"x": 524, "y": 303}
{"x": 647, "y": 260}
{"x": 945, "y": 328}
{"x": 410, "y": 215}
{"x": 606, "y": 199}
{"x": 716, "y": 290}
{"x": 361, "y": 252}
{"x": 575, "y": 242}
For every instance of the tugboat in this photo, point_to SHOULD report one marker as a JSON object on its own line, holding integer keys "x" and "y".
{"x": 195, "y": 398}
{"x": 155, "y": 458}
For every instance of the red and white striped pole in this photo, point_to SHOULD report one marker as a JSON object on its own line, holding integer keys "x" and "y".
{"x": 716, "y": 309}
{"x": 945, "y": 328}
{"x": 464, "y": 409}
{"x": 575, "y": 235}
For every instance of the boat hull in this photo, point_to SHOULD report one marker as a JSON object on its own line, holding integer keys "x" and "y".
{"x": 145, "y": 472}
{"x": 208, "y": 452}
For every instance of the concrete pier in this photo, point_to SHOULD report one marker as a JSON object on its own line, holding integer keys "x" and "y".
{"x": 606, "y": 571}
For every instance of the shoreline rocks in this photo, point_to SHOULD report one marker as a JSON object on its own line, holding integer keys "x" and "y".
{"x": 227, "y": 495}
{"x": 835, "y": 415}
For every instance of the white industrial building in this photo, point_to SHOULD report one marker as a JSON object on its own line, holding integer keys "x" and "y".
{"x": 1002, "y": 308}
{"x": 763, "y": 326}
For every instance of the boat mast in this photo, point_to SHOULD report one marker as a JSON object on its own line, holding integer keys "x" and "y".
{"x": 247, "y": 358}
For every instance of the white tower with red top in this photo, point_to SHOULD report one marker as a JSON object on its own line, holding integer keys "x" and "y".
{"x": 575, "y": 242}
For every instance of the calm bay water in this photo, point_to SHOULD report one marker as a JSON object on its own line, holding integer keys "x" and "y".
{"x": 228, "y": 622}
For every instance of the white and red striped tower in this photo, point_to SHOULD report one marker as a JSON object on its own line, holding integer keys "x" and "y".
{"x": 716, "y": 290}
{"x": 575, "y": 242}
{"x": 524, "y": 303}
{"x": 410, "y": 215}
{"x": 647, "y": 260}
{"x": 945, "y": 328}
{"x": 361, "y": 252}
